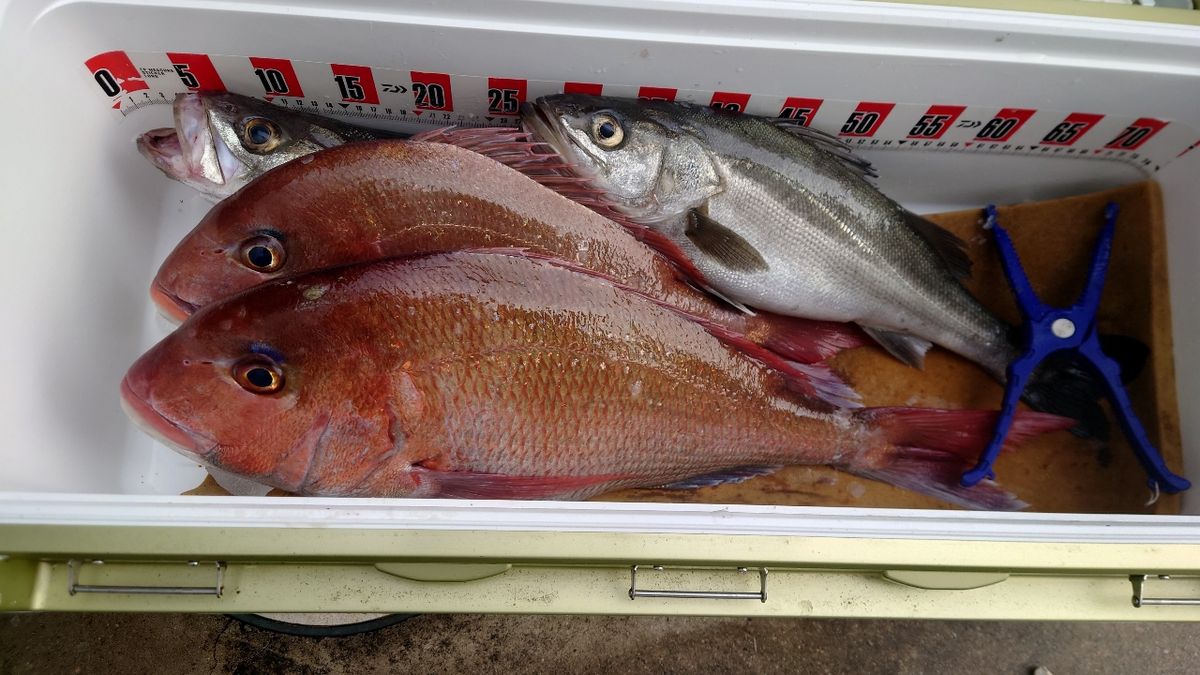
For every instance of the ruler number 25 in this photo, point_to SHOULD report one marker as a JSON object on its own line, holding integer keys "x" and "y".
{"x": 503, "y": 101}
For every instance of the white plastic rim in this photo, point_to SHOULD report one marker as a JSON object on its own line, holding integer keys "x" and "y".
{"x": 87, "y": 220}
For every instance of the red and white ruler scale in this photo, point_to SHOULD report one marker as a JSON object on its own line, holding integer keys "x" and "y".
{"x": 404, "y": 100}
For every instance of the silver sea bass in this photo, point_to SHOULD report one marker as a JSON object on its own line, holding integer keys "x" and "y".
{"x": 776, "y": 216}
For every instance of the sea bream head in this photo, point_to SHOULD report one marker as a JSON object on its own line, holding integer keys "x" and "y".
{"x": 222, "y": 141}
{"x": 263, "y": 386}
{"x": 649, "y": 158}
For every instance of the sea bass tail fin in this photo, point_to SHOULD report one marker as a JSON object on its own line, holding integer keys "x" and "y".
{"x": 1067, "y": 384}
{"x": 930, "y": 449}
{"x": 804, "y": 340}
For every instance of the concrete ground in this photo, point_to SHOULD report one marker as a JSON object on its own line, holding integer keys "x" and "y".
{"x": 131, "y": 644}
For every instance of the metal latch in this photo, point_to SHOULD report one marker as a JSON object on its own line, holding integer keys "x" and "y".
{"x": 1140, "y": 600}
{"x": 73, "y": 585}
{"x": 761, "y": 595}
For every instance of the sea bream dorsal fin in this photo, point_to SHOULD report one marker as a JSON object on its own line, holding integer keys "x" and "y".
{"x": 830, "y": 144}
{"x": 947, "y": 245}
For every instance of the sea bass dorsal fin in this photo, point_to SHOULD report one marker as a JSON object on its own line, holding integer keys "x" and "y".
{"x": 909, "y": 349}
{"x": 723, "y": 244}
{"x": 951, "y": 249}
{"x": 830, "y": 144}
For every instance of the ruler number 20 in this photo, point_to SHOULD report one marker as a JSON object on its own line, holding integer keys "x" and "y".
{"x": 429, "y": 95}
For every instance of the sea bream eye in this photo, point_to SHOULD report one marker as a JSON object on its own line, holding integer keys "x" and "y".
{"x": 607, "y": 131}
{"x": 263, "y": 253}
{"x": 260, "y": 135}
{"x": 258, "y": 375}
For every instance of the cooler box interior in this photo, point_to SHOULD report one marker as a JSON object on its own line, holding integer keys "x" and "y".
{"x": 88, "y": 220}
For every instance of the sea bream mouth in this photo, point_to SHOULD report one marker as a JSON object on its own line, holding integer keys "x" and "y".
{"x": 149, "y": 420}
{"x": 171, "y": 306}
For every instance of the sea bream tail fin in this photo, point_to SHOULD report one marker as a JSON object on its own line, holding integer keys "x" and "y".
{"x": 909, "y": 349}
{"x": 929, "y": 449}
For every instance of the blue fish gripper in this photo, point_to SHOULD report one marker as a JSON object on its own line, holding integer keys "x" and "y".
{"x": 1047, "y": 330}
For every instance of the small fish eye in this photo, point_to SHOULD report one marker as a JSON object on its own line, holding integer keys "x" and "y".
{"x": 263, "y": 253}
{"x": 607, "y": 131}
{"x": 260, "y": 135}
{"x": 258, "y": 375}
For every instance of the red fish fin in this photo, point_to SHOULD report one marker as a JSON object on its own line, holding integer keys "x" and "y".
{"x": 937, "y": 474}
{"x": 964, "y": 433}
{"x": 809, "y": 341}
{"x": 932, "y": 448}
{"x": 473, "y": 485}
{"x": 538, "y": 161}
{"x": 737, "y": 475}
{"x": 817, "y": 383}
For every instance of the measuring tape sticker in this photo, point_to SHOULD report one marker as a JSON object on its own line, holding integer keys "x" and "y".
{"x": 409, "y": 100}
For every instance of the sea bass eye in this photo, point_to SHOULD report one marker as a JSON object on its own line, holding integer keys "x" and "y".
{"x": 258, "y": 375}
{"x": 607, "y": 131}
{"x": 263, "y": 253}
{"x": 260, "y": 135}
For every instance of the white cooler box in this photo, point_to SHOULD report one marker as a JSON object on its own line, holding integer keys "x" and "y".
{"x": 86, "y": 222}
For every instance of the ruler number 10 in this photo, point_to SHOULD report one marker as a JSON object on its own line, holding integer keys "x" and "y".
{"x": 272, "y": 80}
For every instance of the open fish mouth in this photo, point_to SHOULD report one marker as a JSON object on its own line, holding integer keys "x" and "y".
{"x": 538, "y": 119}
{"x": 191, "y": 152}
{"x": 159, "y": 427}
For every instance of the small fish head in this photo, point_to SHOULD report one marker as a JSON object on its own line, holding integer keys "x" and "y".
{"x": 223, "y": 141}
{"x": 627, "y": 148}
